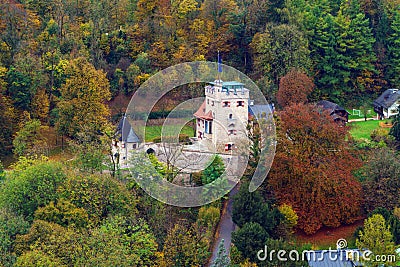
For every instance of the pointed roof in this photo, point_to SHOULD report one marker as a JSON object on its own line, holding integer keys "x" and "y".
{"x": 260, "y": 111}
{"x": 388, "y": 98}
{"x": 330, "y": 106}
{"x": 201, "y": 113}
{"x": 125, "y": 132}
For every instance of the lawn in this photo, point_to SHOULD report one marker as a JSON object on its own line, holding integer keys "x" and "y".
{"x": 363, "y": 129}
{"x": 155, "y": 131}
{"x": 370, "y": 114}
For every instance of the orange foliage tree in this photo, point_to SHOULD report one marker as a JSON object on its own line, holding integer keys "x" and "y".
{"x": 312, "y": 169}
{"x": 294, "y": 87}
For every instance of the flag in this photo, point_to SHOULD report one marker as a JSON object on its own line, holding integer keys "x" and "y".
{"x": 219, "y": 63}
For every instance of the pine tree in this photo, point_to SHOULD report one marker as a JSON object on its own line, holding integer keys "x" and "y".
{"x": 395, "y": 130}
{"x": 393, "y": 68}
{"x": 359, "y": 46}
{"x": 222, "y": 258}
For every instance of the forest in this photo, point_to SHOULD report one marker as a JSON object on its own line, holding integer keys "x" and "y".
{"x": 68, "y": 69}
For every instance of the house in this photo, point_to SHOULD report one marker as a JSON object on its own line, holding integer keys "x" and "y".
{"x": 386, "y": 105}
{"x": 124, "y": 141}
{"x": 223, "y": 116}
{"x": 338, "y": 114}
{"x": 334, "y": 258}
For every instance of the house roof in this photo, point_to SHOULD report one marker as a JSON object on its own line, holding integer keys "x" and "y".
{"x": 388, "y": 98}
{"x": 260, "y": 111}
{"x": 330, "y": 106}
{"x": 334, "y": 258}
{"x": 125, "y": 132}
{"x": 201, "y": 112}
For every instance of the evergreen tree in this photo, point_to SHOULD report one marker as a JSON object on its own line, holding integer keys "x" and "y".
{"x": 250, "y": 239}
{"x": 393, "y": 64}
{"x": 222, "y": 259}
{"x": 395, "y": 130}
{"x": 250, "y": 207}
{"x": 359, "y": 46}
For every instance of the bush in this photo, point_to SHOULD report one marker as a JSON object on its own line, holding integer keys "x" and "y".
{"x": 26, "y": 188}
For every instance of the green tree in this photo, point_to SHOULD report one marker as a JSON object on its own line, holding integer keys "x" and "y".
{"x": 213, "y": 171}
{"x": 11, "y": 225}
{"x": 64, "y": 213}
{"x": 120, "y": 241}
{"x": 30, "y": 140}
{"x": 28, "y": 187}
{"x": 376, "y": 237}
{"x": 393, "y": 56}
{"x": 279, "y": 49}
{"x": 392, "y": 221}
{"x": 20, "y": 88}
{"x": 37, "y": 259}
{"x": 395, "y": 130}
{"x": 380, "y": 180}
{"x": 99, "y": 195}
{"x": 250, "y": 207}
{"x": 222, "y": 258}
{"x": 249, "y": 239}
{"x": 7, "y": 124}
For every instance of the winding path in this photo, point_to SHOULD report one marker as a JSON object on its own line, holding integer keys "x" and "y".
{"x": 225, "y": 226}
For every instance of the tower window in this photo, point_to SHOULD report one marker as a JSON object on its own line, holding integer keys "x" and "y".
{"x": 230, "y": 116}
{"x": 226, "y": 104}
{"x": 240, "y": 103}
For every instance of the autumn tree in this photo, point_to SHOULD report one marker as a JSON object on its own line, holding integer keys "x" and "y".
{"x": 182, "y": 247}
{"x": 294, "y": 87}
{"x": 392, "y": 221}
{"x": 82, "y": 105}
{"x": 376, "y": 237}
{"x": 311, "y": 170}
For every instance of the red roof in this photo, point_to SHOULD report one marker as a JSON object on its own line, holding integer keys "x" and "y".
{"x": 201, "y": 112}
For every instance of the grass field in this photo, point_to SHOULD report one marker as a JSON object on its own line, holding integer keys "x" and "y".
{"x": 155, "y": 131}
{"x": 371, "y": 114}
{"x": 363, "y": 129}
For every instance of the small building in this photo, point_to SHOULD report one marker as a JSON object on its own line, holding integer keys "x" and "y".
{"x": 338, "y": 114}
{"x": 386, "y": 105}
{"x": 124, "y": 141}
{"x": 334, "y": 258}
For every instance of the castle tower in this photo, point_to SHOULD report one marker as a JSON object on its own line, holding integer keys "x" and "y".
{"x": 223, "y": 116}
